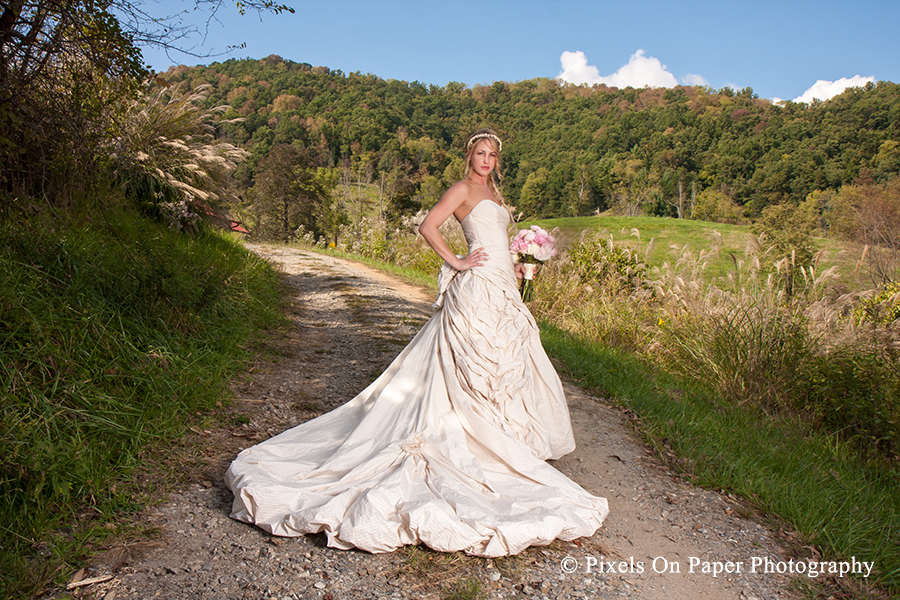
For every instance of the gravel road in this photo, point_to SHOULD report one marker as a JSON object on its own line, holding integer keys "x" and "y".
{"x": 664, "y": 538}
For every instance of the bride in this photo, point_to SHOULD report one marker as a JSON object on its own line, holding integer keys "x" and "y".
{"x": 447, "y": 447}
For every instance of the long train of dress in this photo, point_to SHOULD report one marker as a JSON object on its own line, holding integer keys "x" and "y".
{"x": 447, "y": 446}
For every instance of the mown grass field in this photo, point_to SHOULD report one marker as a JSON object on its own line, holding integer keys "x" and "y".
{"x": 658, "y": 240}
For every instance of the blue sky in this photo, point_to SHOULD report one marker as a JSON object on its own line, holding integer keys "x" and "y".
{"x": 778, "y": 48}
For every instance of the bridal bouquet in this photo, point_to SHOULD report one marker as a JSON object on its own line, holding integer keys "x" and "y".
{"x": 532, "y": 247}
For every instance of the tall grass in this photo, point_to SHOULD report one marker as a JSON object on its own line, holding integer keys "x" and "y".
{"x": 114, "y": 332}
{"x": 745, "y": 335}
{"x": 792, "y": 402}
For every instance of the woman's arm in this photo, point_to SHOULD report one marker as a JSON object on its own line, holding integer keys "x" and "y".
{"x": 446, "y": 206}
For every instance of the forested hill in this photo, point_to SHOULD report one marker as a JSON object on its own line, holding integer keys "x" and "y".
{"x": 567, "y": 149}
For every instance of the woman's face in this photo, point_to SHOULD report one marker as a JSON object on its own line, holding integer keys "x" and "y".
{"x": 484, "y": 159}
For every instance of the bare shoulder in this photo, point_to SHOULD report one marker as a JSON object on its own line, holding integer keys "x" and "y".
{"x": 462, "y": 195}
{"x": 459, "y": 191}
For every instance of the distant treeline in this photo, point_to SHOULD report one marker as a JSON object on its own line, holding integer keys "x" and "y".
{"x": 567, "y": 149}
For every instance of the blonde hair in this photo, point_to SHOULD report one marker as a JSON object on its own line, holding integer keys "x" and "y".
{"x": 494, "y": 140}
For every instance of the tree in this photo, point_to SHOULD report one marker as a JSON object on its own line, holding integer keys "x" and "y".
{"x": 535, "y": 195}
{"x": 760, "y": 153}
{"x": 399, "y": 194}
{"x": 635, "y": 186}
{"x": 887, "y": 161}
{"x": 869, "y": 215}
{"x": 679, "y": 202}
{"x": 786, "y": 242}
{"x": 362, "y": 177}
{"x": 332, "y": 215}
{"x": 584, "y": 192}
{"x": 716, "y": 206}
{"x": 285, "y": 102}
{"x": 67, "y": 70}
{"x": 289, "y": 193}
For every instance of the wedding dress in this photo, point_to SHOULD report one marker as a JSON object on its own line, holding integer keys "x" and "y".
{"x": 447, "y": 446}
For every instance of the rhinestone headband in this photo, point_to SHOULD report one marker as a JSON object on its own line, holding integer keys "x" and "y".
{"x": 485, "y": 135}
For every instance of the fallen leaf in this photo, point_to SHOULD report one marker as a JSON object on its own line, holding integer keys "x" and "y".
{"x": 89, "y": 581}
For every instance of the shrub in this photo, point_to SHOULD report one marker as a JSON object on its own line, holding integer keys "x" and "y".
{"x": 785, "y": 238}
{"x": 716, "y": 206}
{"x": 882, "y": 308}
{"x": 870, "y": 215}
{"x": 853, "y": 389}
{"x": 598, "y": 261}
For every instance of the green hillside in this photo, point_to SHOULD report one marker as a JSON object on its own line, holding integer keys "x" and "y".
{"x": 568, "y": 150}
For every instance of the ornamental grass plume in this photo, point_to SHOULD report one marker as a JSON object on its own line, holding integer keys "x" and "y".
{"x": 167, "y": 153}
{"x": 743, "y": 335}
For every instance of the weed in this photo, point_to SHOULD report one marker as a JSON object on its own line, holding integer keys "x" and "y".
{"x": 307, "y": 406}
{"x": 467, "y": 588}
{"x": 424, "y": 563}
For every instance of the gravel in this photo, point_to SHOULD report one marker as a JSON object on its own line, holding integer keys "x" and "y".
{"x": 348, "y": 323}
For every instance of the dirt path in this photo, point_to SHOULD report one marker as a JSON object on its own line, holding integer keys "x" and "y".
{"x": 348, "y": 322}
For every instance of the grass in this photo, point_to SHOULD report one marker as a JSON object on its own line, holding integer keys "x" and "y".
{"x": 671, "y": 236}
{"x": 458, "y": 576}
{"x": 115, "y": 334}
{"x": 468, "y": 588}
{"x": 817, "y": 484}
{"x": 637, "y": 232}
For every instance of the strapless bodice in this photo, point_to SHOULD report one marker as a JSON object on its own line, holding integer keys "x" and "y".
{"x": 485, "y": 227}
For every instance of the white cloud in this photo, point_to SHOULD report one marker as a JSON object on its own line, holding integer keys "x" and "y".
{"x": 576, "y": 70}
{"x": 692, "y": 79}
{"x": 639, "y": 72}
{"x": 824, "y": 90}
